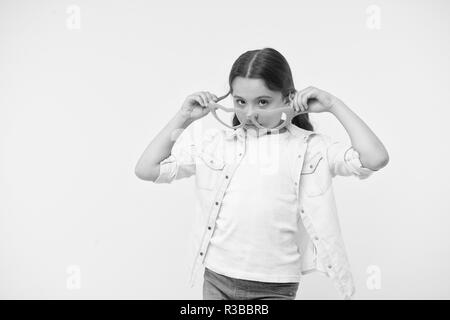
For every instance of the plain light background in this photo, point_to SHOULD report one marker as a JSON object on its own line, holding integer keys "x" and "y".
{"x": 86, "y": 85}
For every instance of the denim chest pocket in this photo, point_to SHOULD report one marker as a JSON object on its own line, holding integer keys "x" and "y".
{"x": 313, "y": 178}
{"x": 209, "y": 170}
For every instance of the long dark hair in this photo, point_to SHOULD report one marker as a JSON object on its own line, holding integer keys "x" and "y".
{"x": 271, "y": 66}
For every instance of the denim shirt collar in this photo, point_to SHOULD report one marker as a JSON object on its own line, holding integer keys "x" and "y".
{"x": 293, "y": 129}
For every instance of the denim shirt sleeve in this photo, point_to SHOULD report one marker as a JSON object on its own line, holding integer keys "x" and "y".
{"x": 181, "y": 161}
{"x": 344, "y": 160}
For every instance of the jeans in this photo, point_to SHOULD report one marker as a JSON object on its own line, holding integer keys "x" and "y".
{"x": 220, "y": 287}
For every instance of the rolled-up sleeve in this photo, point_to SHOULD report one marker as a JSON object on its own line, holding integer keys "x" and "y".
{"x": 344, "y": 160}
{"x": 180, "y": 163}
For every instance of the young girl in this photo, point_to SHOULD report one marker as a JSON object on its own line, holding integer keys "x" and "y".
{"x": 259, "y": 229}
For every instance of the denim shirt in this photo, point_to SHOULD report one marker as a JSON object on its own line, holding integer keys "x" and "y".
{"x": 316, "y": 159}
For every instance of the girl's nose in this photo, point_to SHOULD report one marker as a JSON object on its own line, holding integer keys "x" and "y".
{"x": 250, "y": 111}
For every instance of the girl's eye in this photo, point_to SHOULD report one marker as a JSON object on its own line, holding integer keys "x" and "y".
{"x": 238, "y": 101}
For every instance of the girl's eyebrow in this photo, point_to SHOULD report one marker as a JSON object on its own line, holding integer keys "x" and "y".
{"x": 255, "y": 98}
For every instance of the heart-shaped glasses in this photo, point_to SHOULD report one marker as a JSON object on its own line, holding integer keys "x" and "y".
{"x": 287, "y": 113}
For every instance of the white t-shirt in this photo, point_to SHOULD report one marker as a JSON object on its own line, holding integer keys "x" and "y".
{"x": 255, "y": 232}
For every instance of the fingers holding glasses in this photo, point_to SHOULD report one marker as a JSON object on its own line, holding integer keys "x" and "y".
{"x": 300, "y": 100}
{"x": 292, "y": 103}
{"x": 203, "y": 97}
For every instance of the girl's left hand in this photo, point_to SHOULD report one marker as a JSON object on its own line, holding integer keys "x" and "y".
{"x": 312, "y": 99}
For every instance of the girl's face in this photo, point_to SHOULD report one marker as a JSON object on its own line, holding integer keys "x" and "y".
{"x": 251, "y": 94}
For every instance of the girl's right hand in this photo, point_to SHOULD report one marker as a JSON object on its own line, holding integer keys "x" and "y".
{"x": 195, "y": 105}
